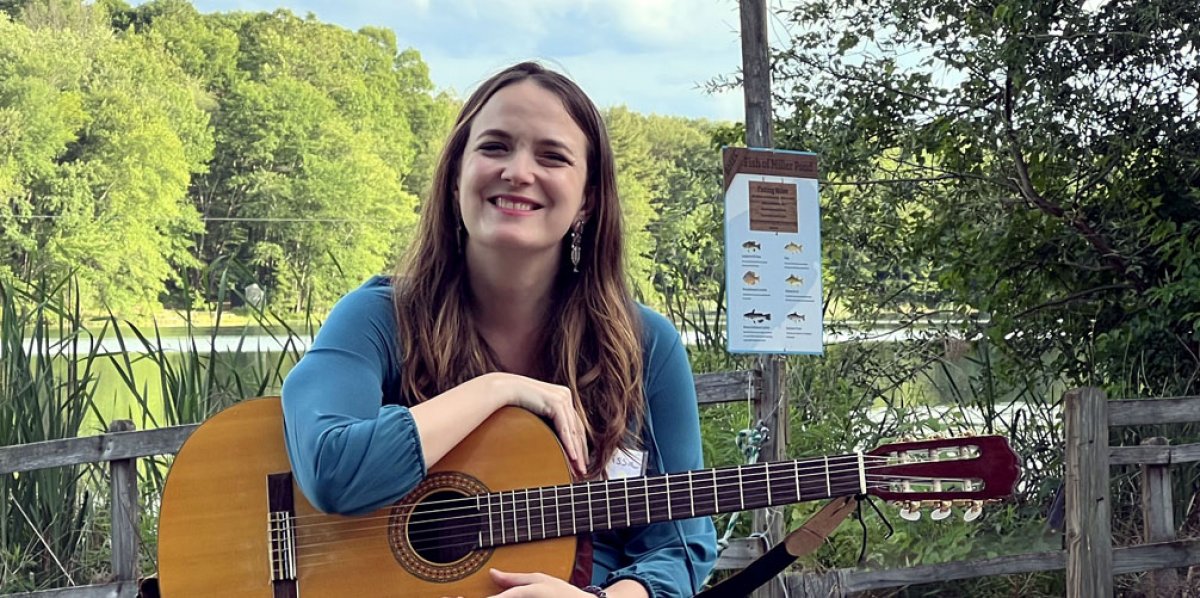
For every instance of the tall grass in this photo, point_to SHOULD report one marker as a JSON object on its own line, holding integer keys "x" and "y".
{"x": 47, "y": 377}
{"x": 54, "y": 523}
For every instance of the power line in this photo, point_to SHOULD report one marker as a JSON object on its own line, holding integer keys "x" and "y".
{"x": 223, "y": 219}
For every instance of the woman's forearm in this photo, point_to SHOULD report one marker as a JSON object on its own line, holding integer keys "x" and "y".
{"x": 445, "y": 420}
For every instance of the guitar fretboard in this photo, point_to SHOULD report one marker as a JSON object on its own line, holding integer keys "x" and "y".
{"x": 553, "y": 511}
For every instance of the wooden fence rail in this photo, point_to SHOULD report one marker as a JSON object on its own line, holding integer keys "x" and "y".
{"x": 1090, "y": 560}
{"x": 120, "y": 447}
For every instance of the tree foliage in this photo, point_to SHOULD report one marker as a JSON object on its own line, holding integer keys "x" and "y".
{"x": 101, "y": 137}
{"x": 1034, "y": 164}
{"x": 317, "y": 132}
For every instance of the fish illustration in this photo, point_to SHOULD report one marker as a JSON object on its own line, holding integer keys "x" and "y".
{"x": 751, "y": 246}
{"x": 754, "y": 316}
{"x": 751, "y": 277}
{"x": 793, "y": 248}
{"x": 795, "y": 280}
{"x": 795, "y": 317}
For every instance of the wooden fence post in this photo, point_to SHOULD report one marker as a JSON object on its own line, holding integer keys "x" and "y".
{"x": 770, "y": 407}
{"x": 1158, "y": 520}
{"x": 1089, "y": 523}
{"x": 125, "y": 519}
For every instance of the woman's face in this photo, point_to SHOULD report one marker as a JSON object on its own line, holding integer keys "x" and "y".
{"x": 523, "y": 172}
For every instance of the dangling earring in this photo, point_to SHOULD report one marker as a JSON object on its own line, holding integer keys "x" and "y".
{"x": 576, "y": 242}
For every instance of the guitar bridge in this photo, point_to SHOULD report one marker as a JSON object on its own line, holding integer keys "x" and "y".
{"x": 281, "y": 534}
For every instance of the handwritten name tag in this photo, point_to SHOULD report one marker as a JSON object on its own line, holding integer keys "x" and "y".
{"x": 626, "y": 463}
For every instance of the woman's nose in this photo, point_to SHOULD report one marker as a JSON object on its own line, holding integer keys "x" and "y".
{"x": 519, "y": 168}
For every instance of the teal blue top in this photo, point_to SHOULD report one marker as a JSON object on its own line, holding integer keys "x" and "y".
{"x": 353, "y": 449}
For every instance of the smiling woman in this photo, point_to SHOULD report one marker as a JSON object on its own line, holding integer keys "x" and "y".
{"x": 523, "y": 177}
{"x": 514, "y": 296}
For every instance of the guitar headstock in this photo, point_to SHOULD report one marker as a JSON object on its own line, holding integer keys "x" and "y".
{"x": 943, "y": 473}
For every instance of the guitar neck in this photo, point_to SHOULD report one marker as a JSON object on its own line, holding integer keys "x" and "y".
{"x": 537, "y": 513}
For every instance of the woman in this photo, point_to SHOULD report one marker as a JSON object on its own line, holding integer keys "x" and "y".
{"x": 514, "y": 295}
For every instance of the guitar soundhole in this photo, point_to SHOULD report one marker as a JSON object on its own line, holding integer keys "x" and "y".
{"x": 444, "y": 527}
{"x": 434, "y": 531}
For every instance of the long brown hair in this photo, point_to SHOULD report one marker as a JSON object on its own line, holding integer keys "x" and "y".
{"x": 594, "y": 344}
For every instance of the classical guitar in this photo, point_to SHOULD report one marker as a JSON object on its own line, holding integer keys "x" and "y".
{"x": 232, "y": 523}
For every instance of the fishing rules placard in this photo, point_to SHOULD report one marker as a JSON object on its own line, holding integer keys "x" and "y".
{"x": 772, "y": 251}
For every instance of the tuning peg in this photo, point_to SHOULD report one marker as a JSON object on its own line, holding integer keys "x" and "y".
{"x": 910, "y": 511}
{"x": 974, "y": 511}
{"x": 941, "y": 512}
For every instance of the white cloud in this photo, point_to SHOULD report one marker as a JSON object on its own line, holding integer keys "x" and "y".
{"x": 647, "y": 54}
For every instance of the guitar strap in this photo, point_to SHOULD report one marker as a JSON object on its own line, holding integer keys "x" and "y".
{"x": 804, "y": 540}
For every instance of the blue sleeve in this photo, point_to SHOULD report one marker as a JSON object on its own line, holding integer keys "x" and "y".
{"x": 670, "y": 558}
{"x": 349, "y": 452}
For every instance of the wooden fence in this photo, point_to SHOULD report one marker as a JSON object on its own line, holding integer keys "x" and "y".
{"x": 1089, "y": 558}
{"x": 121, "y": 447}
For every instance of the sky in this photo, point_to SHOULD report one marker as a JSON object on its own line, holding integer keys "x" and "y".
{"x": 653, "y": 56}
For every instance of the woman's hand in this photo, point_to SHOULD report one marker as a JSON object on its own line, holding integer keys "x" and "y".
{"x": 551, "y": 401}
{"x": 533, "y": 585}
{"x": 443, "y": 421}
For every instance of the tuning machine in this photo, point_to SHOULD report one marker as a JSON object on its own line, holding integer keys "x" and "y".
{"x": 941, "y": 509}
{"x": 910, "y": 510}
{"x": 972, "y": 509}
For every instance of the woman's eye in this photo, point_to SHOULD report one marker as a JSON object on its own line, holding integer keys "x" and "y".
{"x": 491, "y": 147}
{"x": 553, "y": 157}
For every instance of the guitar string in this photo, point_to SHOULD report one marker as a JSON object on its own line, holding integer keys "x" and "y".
{"x": 531, "y": 506}
{"x": 844, "y": 487}
{"x": 471, "y": 539}
{"x": 759, "y": 473}
{"x": 477, "y": 520}
{"x": 656, "y": 491}
{"x": 758, "y": 469}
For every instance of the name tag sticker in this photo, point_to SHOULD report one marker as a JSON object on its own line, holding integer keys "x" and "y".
{"x": 626, "y": 463}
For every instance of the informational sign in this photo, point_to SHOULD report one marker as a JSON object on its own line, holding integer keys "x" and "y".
{"x": 772, "y": 251}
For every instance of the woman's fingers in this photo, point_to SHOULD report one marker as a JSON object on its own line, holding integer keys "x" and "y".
{"x": 570, "y": 429}
{"x": 557, "y": 404}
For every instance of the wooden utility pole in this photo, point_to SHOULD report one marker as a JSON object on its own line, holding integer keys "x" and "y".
{"x": 770, "y": 408}
{"x": 756, "y": 73}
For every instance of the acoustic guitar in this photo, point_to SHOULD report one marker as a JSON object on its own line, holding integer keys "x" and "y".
{"x": 232, "y": 523}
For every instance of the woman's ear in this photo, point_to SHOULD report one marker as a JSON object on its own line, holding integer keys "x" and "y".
{"x": 589, "y": 205}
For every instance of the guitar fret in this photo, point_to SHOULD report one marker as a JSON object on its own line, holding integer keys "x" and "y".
{"x": 500, "y": 513}
{"x": 741, "y": 488}
{"x": 557, "y": 515}
{"x": 646, "y": 486}
{"x": 608, "y": 503}
{"x": 828, "y": 483}
{"x": 667, "y": 481}
{"x": 796, "y": 466}
{"x": 628, "y": 514}
{"x": 589, "y": 505}
{"x": 541, "y": 512}
{"x": 717, "y": 501}
{"x": 516, "y": 526}
{"x": 691, "y": 493}
{"x": 767, "y": 469}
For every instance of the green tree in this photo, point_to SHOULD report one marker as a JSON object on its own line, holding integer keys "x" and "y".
{"x": 638, "y": 180}
{"x": 103, "y": 135}
{"x": 317, "y": 135}
{"x": 1035, "y": 163}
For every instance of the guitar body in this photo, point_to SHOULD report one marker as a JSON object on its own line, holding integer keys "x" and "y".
{"x": 217, "y": 536}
